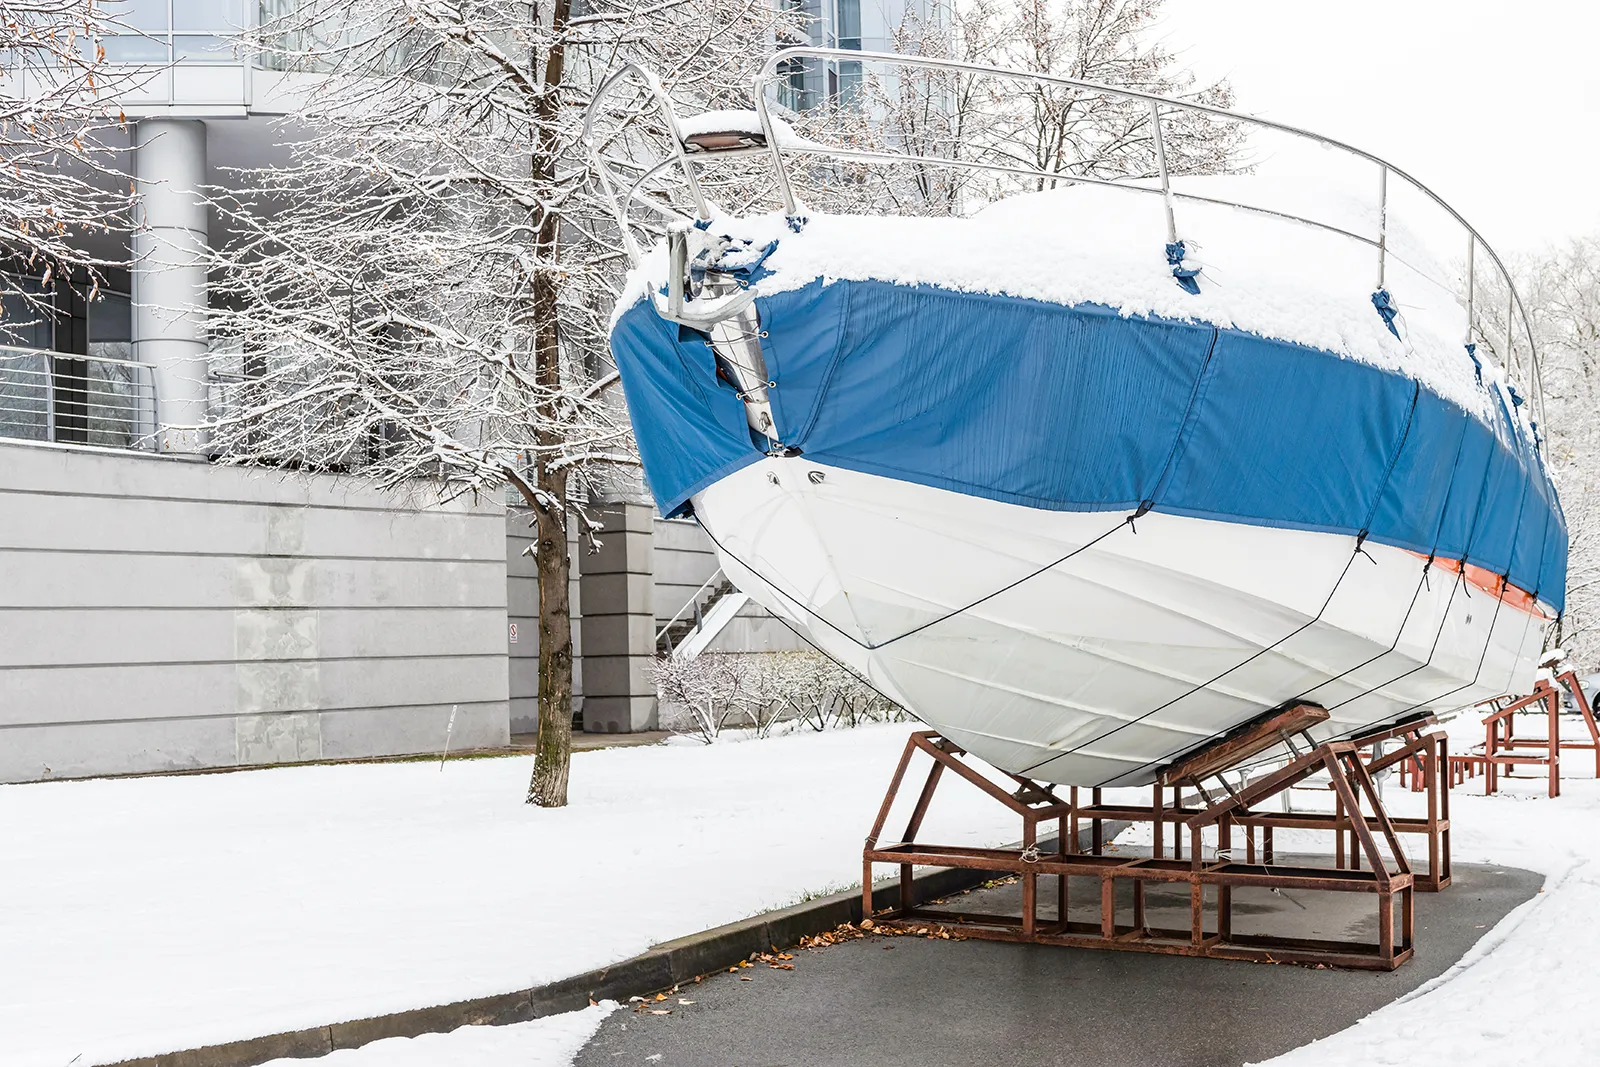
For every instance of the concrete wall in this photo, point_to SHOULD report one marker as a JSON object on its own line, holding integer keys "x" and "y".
{"x": 755, "y": 629}
{"x": 619, "y": 621}
{"x": 684, "y": 559}
{"x": 647, "y": 568}
{"x": 159, "y": 614}
{"x": 522, "y": 608}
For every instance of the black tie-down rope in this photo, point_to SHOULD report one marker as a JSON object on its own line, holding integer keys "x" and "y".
{"x": 1499, "y": 603}
{"x": 1461, "y": 586}
{"x": 1444, "y": 617}
{"x": 1125, "y": 523}
{"x": 1197, "y": 688}
{"x": 1360, "y": 550}
{"x": 1128, "y": 521}
{"x": 1427, "y": 565}
{"x": 1422, "y": 582}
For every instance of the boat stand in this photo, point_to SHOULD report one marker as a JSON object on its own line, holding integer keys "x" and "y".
{"x": 1421, "y": 760}
{"x": 1211, "y": 883}
{"x": 1502, "y": 748}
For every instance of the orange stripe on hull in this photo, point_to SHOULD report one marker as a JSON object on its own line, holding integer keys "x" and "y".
{"x": 1493, "y": 584}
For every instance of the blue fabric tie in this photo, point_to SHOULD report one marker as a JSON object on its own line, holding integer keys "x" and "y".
{"x": 1386, "y": 309}
{"x": 1185, "y": 275}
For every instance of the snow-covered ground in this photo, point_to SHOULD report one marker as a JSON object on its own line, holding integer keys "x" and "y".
{"x": 552, "y": 1042}
{"x": 1522, "y": 995}
{"x": 140, "y": 916}
{"x": 1526, "y": 992}
{"x": 148, "y": 915}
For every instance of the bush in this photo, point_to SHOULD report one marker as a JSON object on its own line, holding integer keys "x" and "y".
{"x": 766, "y": 691}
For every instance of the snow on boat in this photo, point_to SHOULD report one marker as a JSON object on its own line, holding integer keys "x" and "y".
{"x": 1078, "y": 502}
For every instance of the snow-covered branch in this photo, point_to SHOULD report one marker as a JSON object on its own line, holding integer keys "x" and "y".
{"x": 421, "y": 297}
{"x": 57, "y": 182}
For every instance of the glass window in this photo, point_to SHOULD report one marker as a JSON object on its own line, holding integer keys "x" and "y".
{"x": 797, "y": 90}
{"x": 110, "y": 318}
{"x": 809, "y": 14}
{"x": 136, "y": 49}
{"x": 24, "y": 393}
{"x": 849, "y": 84}
{"x": 203, "y": 47}
{"x": 23, "y": 322}
{"x": 217, "y": 16}
{"x": 147, "y": 15}
{"x": 848, "y": 29}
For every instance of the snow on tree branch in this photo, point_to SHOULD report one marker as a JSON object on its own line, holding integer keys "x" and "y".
{"x": 57, "y": 183}
{"x": 1562, "y": 291}
{"x": 984, "y": 118}
{"x": 420, "y": 293}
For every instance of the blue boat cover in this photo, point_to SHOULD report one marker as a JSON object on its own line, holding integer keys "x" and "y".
{"x": 1084, "y": 409}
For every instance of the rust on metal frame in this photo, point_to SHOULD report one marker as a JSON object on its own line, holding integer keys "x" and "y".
{"x": 1036, "y": 803}
{"x": 1428, "y": 752}
{"x": 1250, "y": 739}
{"x": 1503, "y": 748}
{"x": 1423, "y": 758}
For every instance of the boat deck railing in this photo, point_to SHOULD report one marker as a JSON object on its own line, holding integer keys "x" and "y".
{"x": 1508, "y": 330}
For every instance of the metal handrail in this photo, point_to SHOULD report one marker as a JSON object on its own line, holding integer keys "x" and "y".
{"x": 769, "y": 74}
{"x": 46, "y": 403}
{"x": 692, "y": 602}
{"x": 622, "y": 194}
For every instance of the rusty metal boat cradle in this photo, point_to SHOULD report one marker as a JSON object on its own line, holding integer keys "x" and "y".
{"x": 1502, "y": 751}
{"x": 1359, "y": 818}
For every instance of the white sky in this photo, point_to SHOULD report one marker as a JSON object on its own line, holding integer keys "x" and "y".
{"x": 1495, "y": 105}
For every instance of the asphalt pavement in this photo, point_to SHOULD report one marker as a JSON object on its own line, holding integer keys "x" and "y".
{"x": 891, "y": 1001}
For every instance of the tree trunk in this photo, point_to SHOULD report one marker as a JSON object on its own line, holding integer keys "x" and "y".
{"x": 553, "y": 754}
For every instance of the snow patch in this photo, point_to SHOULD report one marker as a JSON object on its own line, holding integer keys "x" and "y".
{"x": 196, "y": 910}
{"x": 742, "y": 121}
{"x": 550, "y": 1042}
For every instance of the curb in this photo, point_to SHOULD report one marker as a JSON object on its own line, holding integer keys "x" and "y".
{"x": 663, "y": 966}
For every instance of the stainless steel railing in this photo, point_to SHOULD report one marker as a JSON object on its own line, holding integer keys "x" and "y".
{"x": 1509, "y": 330}
{"x": 88, "y": 400}
{"x": 692, "y": 604}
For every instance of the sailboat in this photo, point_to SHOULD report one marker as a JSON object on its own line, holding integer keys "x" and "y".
{"x": 1075, "y": 498}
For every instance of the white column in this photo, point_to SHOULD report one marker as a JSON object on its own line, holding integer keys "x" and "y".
{"x": 169, "y": 274}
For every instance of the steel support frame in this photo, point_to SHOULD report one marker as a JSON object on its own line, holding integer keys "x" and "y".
{"x": 1211, "y": 884}
{"x": 1422, "y": 760}
{"x": 1501, "y": 747}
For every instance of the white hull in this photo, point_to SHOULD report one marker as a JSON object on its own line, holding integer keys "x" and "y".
{"x": 1081, "y": 650}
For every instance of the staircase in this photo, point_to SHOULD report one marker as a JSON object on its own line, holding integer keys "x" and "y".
{"x": 691, "y": 619}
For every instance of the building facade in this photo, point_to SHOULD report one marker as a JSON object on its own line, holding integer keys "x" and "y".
{"x": 160, "y": 612}
{"x": 855, "y": 25}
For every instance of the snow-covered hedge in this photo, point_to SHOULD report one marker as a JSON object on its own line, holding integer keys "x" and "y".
{"x": 765, "y": 692}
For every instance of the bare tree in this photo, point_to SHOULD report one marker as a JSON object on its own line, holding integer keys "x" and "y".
{"x": 421, "y": 295}
{"x": 1067, "y": 131}
{"x": 1562, "y": 289}
{"x": 978, "y": 117}
{"x": 57, "y": 104}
